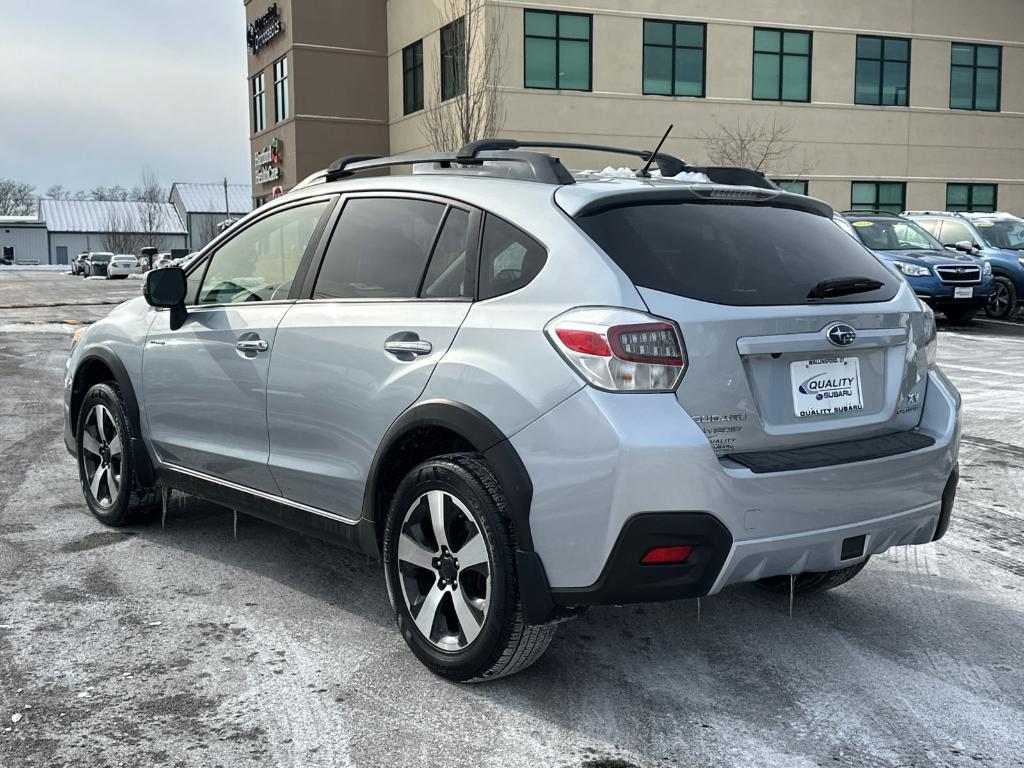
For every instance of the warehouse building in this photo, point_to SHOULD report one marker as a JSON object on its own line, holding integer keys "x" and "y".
{"x": 203, "y": 208}
{"x": 74, "y": 226}
{"x": 902, "y": 104}
{"x": 22, "y": 240}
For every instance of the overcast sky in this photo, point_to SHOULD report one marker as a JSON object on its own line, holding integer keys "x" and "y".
{"x": 90, "y": 92}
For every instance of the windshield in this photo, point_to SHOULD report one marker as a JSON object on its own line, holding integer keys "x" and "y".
{"x": 736, "y": 254}
{"x": 1002, "y": 233}
{"x": 893, "y": 235}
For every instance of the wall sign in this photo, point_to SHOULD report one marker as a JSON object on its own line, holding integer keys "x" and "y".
{"x": 267, "y": 162}
{"x": 264, "y": 29}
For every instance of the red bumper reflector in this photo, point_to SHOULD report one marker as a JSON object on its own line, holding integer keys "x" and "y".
{"x": 662, "y": 555}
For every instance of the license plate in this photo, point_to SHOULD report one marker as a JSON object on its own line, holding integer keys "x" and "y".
{"x": 825, "y": 386}
{"x": 963, "y": 293}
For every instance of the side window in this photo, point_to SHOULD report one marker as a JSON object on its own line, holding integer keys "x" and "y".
{"x": 509, "y": 258}
{"x": 379, "y": 249}
{"x": 931, "y": 226}
{"x": 955, "y": 231}
{"x": 193, "y": 280}
{"x": 446, "y": 275}
{"x": 260, "y": 262}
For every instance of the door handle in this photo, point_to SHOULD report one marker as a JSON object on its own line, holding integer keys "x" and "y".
{"x": 409, "y": 347}
{"x": 252, "y": 345}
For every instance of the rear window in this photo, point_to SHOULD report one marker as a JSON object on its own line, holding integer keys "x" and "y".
{"x": 741, "y": 255}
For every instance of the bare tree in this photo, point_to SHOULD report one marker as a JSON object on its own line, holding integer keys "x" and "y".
{"x": 151, "y": 197}
{"x": 473, "y": 66}
{"x": 763, "y": 145}
{"x": 207, "y": 230}
{"x": 119, "y": 237}
{"x": 17, "y": 198}
{"x": 58, "y": 192}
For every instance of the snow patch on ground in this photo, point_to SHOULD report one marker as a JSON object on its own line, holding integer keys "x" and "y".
{"x": 35, "y": 267}
{"x": 38, "y": 328}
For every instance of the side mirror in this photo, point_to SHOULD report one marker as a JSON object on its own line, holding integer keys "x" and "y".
{"x": 166, "y": 289}
{"x": 965, "y": 245}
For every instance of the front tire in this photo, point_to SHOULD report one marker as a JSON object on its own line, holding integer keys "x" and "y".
{"x": 449, "y": 562}
{"x": 106, "y": 466}
{"x": 959, "y": 315}
{"x": 1002, "y": 301}
{"x": 813, "y": 582}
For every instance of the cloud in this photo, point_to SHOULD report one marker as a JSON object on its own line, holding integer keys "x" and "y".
{"x": 102, "y": 89}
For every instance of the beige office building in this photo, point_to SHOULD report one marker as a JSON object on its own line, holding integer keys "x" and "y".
{"x": 897, "y": 104}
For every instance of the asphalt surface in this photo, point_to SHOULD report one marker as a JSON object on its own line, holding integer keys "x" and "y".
{"x": 184, "y": 646}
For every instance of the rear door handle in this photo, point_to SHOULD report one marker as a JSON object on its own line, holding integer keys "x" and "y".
{"x": 409, "y": 347}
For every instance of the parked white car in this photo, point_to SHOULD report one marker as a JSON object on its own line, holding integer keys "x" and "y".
{"x": 122, "y": 265}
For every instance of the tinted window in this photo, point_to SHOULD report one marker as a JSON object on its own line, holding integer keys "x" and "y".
{"x": 954, "y": 232}
{"x": 509, "y": 258}
{"x": 893, "y": 235}
{"x": 379, "y": 249}
{"x": 742, "y": 255}
{"x": 259, "y": 263}
{"x": 931, "y": 226}
{"x": 1002, "y": 233}
{"x": 446, "y": 275}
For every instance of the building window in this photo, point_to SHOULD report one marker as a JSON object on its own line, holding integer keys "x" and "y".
{"x": 259, "y": 104}
{"x": 412, "y": 77}
{"x": 557, "y": 50}
{"x": 971, "y": 197}
{"x": 453, "y": 59}
{"x": 791, "y": 185}
{"x": 782, "y": 65}
{"x": 974, "y": 76}
{"x": 280, "y": 90}
{"x": 883, "y": 71}
{"x": 673, "y": 58}
{"x": 888, "y": 196}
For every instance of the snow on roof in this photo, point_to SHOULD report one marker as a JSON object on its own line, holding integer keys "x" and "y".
{"x": 14, "y": 220}
{"x": 97, "y": 216}
{"x": 209, "y": 198}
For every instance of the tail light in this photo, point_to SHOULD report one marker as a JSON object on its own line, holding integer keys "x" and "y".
{"x": 620, "y": 350}
{"x": 931, "y": 337}
{"x": 667, "y": 555}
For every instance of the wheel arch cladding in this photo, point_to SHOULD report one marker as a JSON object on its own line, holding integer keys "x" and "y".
{"x": 436, "y": 427}
{"x": 101, "y": 365}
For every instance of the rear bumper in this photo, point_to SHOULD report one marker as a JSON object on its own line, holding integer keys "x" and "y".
{"x": 598, "y": 460}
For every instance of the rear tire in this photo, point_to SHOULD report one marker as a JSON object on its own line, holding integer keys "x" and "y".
{"x": 446, "y": 509}
{"x": 106, "y": 466}
{"x": 959, "y": 315}
{"x": 813, "y": 582}
{"x": 1002, "y": 301}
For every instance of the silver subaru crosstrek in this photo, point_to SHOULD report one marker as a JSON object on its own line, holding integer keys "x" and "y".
{"x": 529, "y": 391}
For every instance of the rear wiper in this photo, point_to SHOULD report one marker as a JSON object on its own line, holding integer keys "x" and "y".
{"x": 843, "y": 286}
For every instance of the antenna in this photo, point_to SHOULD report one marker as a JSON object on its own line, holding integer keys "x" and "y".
{"x": 645, "y": 171}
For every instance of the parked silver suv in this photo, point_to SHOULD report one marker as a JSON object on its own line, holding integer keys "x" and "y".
{"x": 530, "y": 392}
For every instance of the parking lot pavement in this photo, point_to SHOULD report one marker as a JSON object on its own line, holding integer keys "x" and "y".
{"x": 186, "y": 646}
{"x": 31, "y": 296}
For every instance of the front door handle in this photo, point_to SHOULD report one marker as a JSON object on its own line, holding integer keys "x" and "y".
{"x": 409, "y": 347}
{"x": 252, "y": 345}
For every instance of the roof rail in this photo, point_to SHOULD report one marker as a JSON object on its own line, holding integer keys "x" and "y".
{"x": 531, "y": 166}
{"x": 667, "y": 164}
{"x": 869, "y": 212}
{"x": 498, "y": 157}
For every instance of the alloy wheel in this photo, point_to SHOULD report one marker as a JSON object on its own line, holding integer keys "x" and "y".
{"x": 102, "y": 456}
{"x": 445, "y": 570}
{"x": 998, "y": 300}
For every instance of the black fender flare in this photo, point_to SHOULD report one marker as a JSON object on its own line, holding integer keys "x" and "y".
{"x": 143, "y": 461}
{"x": 487, "y": 439}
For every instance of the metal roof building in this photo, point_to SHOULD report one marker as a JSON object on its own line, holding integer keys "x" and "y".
{"x": 74, "y": 226}
{"x": 202, "y": 207}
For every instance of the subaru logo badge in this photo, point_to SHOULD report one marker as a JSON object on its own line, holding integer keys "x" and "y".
{"x": 841, "y": 334}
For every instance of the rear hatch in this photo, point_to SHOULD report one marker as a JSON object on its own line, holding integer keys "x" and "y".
{"x": 795, "y": 334}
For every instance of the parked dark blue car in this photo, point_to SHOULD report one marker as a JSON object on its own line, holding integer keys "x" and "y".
{"x": 998, "y": 238}
{"x": 949, "y": 281}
